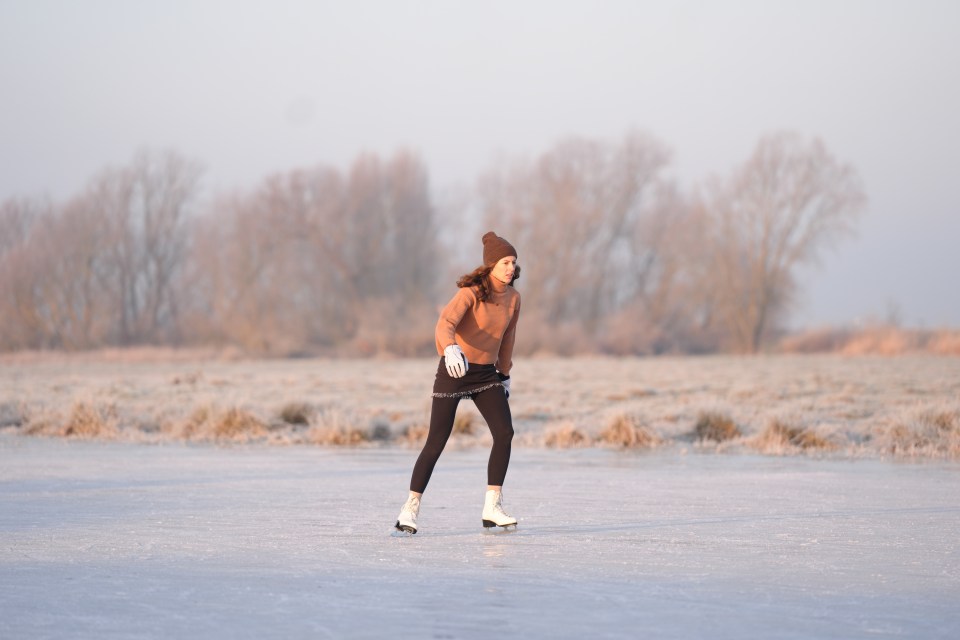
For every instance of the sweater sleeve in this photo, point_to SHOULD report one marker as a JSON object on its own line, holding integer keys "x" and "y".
{"x": 451, "y": 316}
{"x": 505, "y": 357}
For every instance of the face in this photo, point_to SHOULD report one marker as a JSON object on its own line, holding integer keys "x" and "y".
{"x": 503, "y": 270}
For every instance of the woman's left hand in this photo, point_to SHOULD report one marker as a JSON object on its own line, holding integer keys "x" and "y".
{"x": 505, "y": 381}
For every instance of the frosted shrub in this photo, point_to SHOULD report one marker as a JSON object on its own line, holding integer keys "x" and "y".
{"x": 945, "y": 343}
{"x": 238, "y": 424}
{"x": 11, "y": 415}
{"x": 332, "y": 428}
{"x": 296, "y": 413}
{"x": 380, "y": 432}
{"x": 206, "y": 423}
{"x": 933, "y": 433}
{"x": 192, "y": 427}
{"x": 464, "y": 424}
{"x": 565, "y": 436}
{"x": 780, "y": 438}
{"x": 626, "y": 431}
{"x": 414, "y": 434}
{"x": 89, "y": 421}
{"x": 715, "y": 426}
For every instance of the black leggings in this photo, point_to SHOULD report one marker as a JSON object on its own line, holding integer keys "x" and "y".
{"x": 493, "y": 406}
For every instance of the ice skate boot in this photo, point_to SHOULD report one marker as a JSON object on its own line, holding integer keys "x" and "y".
{"x": 407, "y": 520}
{"x": 493, "y": 515}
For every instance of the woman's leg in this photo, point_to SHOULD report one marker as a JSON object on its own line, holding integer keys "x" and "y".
{"x": 442, "y": 413}
{"x": 494, "y": 408}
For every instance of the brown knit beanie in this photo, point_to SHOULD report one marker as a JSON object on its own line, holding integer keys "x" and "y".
{"x": 495, "y": 248}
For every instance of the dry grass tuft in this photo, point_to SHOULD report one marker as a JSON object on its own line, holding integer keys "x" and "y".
{"x": 780, "y": 438}
{"x": 945, "y": 421}
{"x": 237, "y": 424}
{"x": 565, "y": 436}
{"x": 85, "y": 421}
{"x": 333, "y": 429}
{"x": 882, "y": 339}
{"x": 932, "y": 433}
{"x": 715, "y": 426}
{"x": 207, "y": 423}
{"x": 296, "y": 413}
{"x": 414, "y": 434}
{"x": 945, "y": 343}
{"x": 337, "y": 437}
{"x": 12, "y": 414}
{"x": 887, "y": 341}
{"x": 380, "y": 432}
{"x": 820, "y": 340}
{"x": 464, "y": 424}
{"x": 192, "y": 427}
{"x": 40, "y": 426}
{"x": 190, "y": 379}
{"x": 627, "y": 432}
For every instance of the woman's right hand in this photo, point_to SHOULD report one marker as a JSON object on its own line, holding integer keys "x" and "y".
{"x": 455, "y": 361}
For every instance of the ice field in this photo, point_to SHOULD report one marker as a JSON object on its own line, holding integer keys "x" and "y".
{"x": 126, "y": 540}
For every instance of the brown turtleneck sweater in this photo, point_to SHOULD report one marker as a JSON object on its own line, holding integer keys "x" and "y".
{"x": 484, "y": 330}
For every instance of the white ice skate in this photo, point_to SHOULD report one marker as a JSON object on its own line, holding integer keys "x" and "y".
{"x": 407, "y": 520}
{"x": 493, "y": 515}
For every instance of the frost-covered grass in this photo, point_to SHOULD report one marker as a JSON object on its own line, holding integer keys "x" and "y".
{"x": 822, "y": 405}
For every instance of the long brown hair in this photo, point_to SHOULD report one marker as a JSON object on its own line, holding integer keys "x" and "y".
{"x": 480, "y": 278}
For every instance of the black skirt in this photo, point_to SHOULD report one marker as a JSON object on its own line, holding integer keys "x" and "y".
{"x": 479, "y": 377}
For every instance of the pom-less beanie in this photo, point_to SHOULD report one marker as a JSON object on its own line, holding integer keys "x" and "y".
{"x": 495, "y": 248}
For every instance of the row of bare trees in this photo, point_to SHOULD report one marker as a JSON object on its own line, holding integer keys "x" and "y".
{"x": 316, "y": 259}
{"x": 101, "y": 269}
{"x": 616, "y": 258}
{"x": 621, "y": 261}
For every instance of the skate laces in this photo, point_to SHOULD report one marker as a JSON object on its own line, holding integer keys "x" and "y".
{"x": 412, "y": 506}
{"x": 498, "y": 506}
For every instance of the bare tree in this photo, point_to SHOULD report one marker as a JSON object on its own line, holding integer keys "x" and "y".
{"x": 786, "y": 203}
{"x": 145, "y": 206}
{"x": 315, "y": 259}
{"x": 587, "y": 216}
{"x": 60, "y": 296}
{"x": 21, "y": 326}
{"x": 661, "y": 311}
{"x": 99, "y": 270}
{"x": 242, "y": 286}
{"x": 392, "y": 240}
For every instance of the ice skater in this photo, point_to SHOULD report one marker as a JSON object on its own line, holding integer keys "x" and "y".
{"x": 474, "y": 336}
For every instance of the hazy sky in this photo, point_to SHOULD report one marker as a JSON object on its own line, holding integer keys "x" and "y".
{"x": 252, "y": 88}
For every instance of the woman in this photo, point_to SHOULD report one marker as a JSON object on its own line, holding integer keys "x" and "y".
{"x": 475, "y": 337}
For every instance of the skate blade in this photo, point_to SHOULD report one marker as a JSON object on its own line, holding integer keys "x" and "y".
{"x": 404, "y": 528}
{"x": 488, "y": 524}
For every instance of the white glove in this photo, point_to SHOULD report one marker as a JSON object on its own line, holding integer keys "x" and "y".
{"x": 456, "y": 362}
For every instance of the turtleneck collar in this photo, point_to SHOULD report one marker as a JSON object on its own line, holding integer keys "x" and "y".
{"x": 496, "y": 286}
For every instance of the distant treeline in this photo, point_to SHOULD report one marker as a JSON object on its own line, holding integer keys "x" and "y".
{"x": 616, "y": 257}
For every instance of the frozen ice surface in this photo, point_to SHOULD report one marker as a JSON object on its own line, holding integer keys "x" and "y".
{"x": 101, "y": 540}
